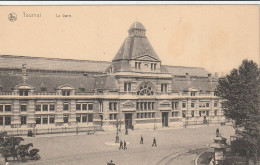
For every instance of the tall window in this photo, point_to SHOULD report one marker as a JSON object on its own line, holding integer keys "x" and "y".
{"x": 193, "y": 93}
{"x": 66, "y": 106}
{"x": 183, "y": 104}
{"x": 7, "y": 120}
{"x": 23, "y": 107}
{"x": 175, "y": 105}
{"x": 137, "y": 65}
{"x": 192, "y": 113}
{"x": 164, "y": 88}
{"x": 127, "y": 86}
{"x": 23, "y": 120}
{"x": 113, "y": 106}
{"x": 65, "y": 118}
{"x": 192, "y": 105}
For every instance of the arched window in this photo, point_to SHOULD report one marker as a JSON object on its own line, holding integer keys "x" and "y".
{"x": 145, "y": 89}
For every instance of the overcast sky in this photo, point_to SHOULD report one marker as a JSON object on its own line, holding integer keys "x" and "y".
{"x": 215, "y": 37}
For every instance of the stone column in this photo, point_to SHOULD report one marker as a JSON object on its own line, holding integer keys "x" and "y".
{"x": 31, "y": 113}
{"x": 59, "y": 113}
{"x": 16, "y": 121}
{"x": 72, "y": 119}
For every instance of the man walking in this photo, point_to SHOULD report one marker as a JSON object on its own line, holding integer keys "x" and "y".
{"x": 126, "y": 131}
{"x": 142, "y": 140}
{"x": 125, "y": 146}
{"x": 121, "y": 144}
{"x": 154, "y": 142}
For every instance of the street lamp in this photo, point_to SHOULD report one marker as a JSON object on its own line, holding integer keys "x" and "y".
{"x": 117, "y": 137}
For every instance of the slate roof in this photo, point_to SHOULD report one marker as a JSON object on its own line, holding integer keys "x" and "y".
{"x": 50, "y": 82}
{"x": 192, "y": 71}
{"x": 107, "y": 82}
{"x": 41, "y": 63}
{"x": 202, "y": 84}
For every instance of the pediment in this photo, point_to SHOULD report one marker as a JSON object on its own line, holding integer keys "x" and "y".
{"x": 146, "y": 58}
{"x": 165, "y": 102}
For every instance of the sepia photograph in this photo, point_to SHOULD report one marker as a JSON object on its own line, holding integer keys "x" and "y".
{"x": 130, "y": 84}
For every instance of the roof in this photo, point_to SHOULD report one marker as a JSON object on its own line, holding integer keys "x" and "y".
{"x": 135, "y": 46}
{"x": 41, "y": 63}
{"x": 49, "y": 81}
{"x": 202, "y": 84}
{"x": 107, "y": 82}
{"x": 182, "y": 70}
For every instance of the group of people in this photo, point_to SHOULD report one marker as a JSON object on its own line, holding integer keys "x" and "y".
{"x": 121, "y": 145}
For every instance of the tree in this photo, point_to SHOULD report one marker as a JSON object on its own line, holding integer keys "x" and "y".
{"x": 240, "y": 93}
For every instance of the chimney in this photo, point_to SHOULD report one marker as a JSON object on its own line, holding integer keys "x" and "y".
{"x": 24, "y": 73}
{"x": 188, "y": 77}
{"x": 210, "y": 78}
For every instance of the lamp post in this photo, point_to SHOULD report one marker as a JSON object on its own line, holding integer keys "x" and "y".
{"x": 117, "y": 137}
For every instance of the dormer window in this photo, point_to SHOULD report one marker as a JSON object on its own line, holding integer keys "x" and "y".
{"x": 23, "y": 90}
{"x": 65, "y": 93}
{"x": 193, "y": 93}
{"x": 66, "y": 90}
{"x": 137, "y": 65}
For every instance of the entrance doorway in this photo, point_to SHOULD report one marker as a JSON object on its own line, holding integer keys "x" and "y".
{"x": 128, "y": 120}
{"x": 165, "y": 119}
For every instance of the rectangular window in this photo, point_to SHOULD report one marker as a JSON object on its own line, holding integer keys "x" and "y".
{"x": 183, "y": 105}
{"x": 115, "y": 116}
{"x": 192, "y": 113}
{"x": 78, "y": 119}
{"x": 164, "y": 88}
{"x": 152, "y": 105}
{"x": 207, "y": 104}
{"x": 215, "y": 104}
{"x": 52, "y": 119}
{"x": 23, "y": 120}
{"x": 175, "y": 114}
{"x": 65, "y": 93}
{"x": 154, "y": 66}
{"x": 174, "y": 105}
{"x": 200, "y": 113}
{"x": 145, "y": 106}
{"x": 110, "y": 106}
{"x": 216, "y": 112}
{"x": 192, "y": 105}
{"x": 127, "y": 86}
{"x": 65, "y": 118}
{"x": 7, "y": 120}
{"x": 23, "y": 107}
{"x": 149, "y": 105}
{"x": 45, "y": 120}
{"x": 38, "y": 108}
{"x": 136, "y": 65}
{"x": 151, "y": 66}
{"x": 84, "y": 118}
{"x": 193, "y": 93}
{"x": 78, "y": 107}
{"x": 138, "y": 115}
{"x": 7, "y": 108}
{"x": 90, "y": 107}
{"x": 142, "y": 106}
{"x": 84, "y": 107}
{"x": 137, "y": 105}
{"x": 38, "y": 119}
{"x": 111, "y": 116}
{"x": 207, "y": 113}
{"x": 52, "y": 107}
{"x": 183, "y": 114}
{"x": 65, "y": 106}
{"x": 1, "y": 120}
{"x": 45, "y": 107}
{"x": 1, "y": 108}
{"x": 90, "y": 118}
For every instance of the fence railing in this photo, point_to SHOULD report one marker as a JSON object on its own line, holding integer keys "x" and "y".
{"x": 37, "y": 131}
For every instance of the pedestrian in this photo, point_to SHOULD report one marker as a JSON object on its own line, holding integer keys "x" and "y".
{"x": 121, "y": 145}
{"x": 154, "y": 142}
{"x": 125, "y": 146}
{"x": 217, "y": 132}
{"x": 126, "y": 131}
{"x": 142, "y": 140}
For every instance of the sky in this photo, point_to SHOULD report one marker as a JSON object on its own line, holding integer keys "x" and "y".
{"x": 215, "y": 37}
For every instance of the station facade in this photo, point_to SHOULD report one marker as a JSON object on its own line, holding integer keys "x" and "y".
{"x": 135, "y": 89}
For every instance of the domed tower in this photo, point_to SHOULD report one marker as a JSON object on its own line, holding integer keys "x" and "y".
{"x": 136, "y": 53}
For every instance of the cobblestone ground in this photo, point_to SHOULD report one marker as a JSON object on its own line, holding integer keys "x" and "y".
{"x": 172, "y": 147}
